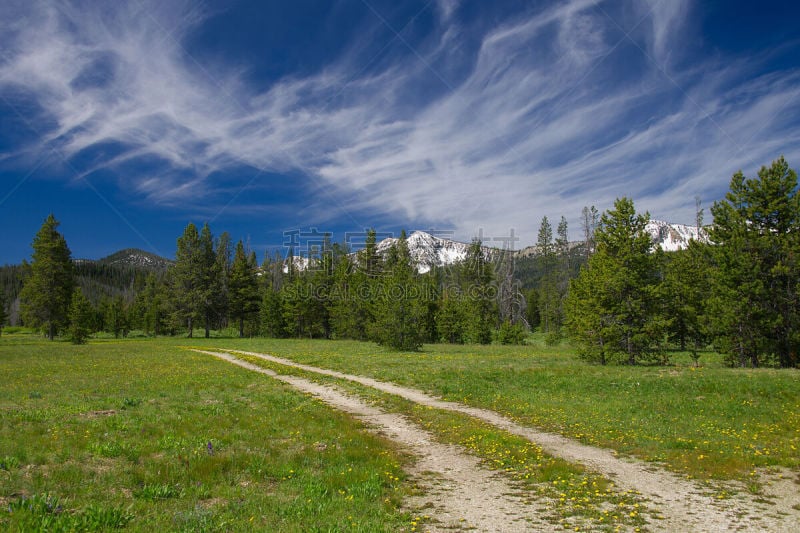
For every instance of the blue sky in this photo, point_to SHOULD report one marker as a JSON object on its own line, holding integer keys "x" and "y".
{"x": 129, "y": 119}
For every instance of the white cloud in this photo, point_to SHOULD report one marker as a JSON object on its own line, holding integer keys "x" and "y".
{"x": 666, "y": 18}
{"x": 546, "y": 119}
{"x": 446, "y": 8}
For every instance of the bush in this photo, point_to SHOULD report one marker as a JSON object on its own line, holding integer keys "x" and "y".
{"x": 553, "y": 338}
{"x": 511, "y": 334}
{"x": 80, "y": 318}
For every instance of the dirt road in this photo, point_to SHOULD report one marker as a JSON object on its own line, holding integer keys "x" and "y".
{"x": 464, "y": 494}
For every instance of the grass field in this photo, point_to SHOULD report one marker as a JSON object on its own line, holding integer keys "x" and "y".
{"x": 155, "y": 438}
{"x": 563, "y": 493}
{"x": 709, "y": 422}
{"x": 116, "y": 434}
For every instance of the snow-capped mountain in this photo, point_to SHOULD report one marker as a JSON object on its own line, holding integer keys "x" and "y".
{"x": 673, "y": 237}
{"x": 300, "y": 264}
{"x": 428, "y": 250}
{"x": 668, "y": 237}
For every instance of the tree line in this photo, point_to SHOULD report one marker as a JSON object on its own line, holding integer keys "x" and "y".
{"x": 616, "y": 297}
{"x": 738, "y": 291}
{"x": 213, "y": 285}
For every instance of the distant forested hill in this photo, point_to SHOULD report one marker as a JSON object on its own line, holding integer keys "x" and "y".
{"x": 529, "y": 266}
{"x": 122, "y": 274}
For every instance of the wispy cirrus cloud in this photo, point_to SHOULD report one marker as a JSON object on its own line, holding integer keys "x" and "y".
{"x": 472, "y": 126}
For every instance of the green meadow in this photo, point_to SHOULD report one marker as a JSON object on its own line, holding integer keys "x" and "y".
{"x": 150, "y": 437}
{"x": 563, "y": 493}
{"x": 144, "y": 434}
{"x": 707, "y": 422}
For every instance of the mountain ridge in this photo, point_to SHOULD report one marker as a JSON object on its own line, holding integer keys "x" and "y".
{"x": 130, "y": 257}
{"x": 429, "y": 251}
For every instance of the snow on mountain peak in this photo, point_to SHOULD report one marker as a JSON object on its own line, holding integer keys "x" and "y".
{"x": 673, "y": 237}
{"x": 427, "y": 250}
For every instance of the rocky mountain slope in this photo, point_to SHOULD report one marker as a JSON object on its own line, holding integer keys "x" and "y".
{"x": 428, "y": 250}
{"x": 673, "y": 237}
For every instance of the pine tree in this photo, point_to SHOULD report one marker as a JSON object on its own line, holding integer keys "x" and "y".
{"x": 197, "y": 281}
{"x": 116, "y": 319}
{"x": 479, "y": 293}
{"x": 452, "y": 318}
{"x": 243, "y": 287}
{"x": 320, "y": 287}
{"x": 294, "y": 302}
{"x": 370, "y": 260}
{"x": 756, "y": 304}
{"x": 152, "y": 301}
{"x": 3, "y": 310}
{"x": 588, "y": 318}
{"x": 254, "y": 322}
{"x": 532, "y": 308}
{"x": 186, "y": 274}
{"x": 223, "y": 265}
{"x": 47, "y": 293}
{"x": 350, "y": 308}
{"x": 340, "y": 304}
{"x": 545, "y": 242}
{"x": 400, "y": 308}
{"x": 80, "y": 318}
{"x": 275, "y": 280}
{"x": 686, "y": 292}
{"x": 561, "y": 277}
{"x": 612, "y": 303}
{"x": 210, "y": 282}
{"x": 271, "y": 312}
{"x": 562, "y": 250}
{"x": 356, "y": 284}
{"x": 430, "y": 285}
{"x": 172, "y": 320}
{"x": 549, "y": 299}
